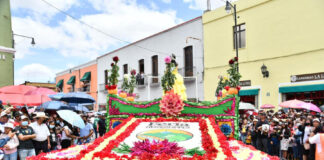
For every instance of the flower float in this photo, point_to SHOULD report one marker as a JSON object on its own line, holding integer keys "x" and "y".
{"x": 171, "y": 104}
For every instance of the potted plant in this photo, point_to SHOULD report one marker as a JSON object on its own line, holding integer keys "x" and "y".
{"x": 168, "y": 78}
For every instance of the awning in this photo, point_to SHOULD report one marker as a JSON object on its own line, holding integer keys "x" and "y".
{"x": 60, "y": 83}
{"x": 303, "y": 88}
{"x": 86, "y": 77}
{"x": 71, "y": 80}
{"x": 249, "y": 92}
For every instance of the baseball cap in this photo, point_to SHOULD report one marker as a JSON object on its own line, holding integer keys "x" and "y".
{"x": 9, "y": 125}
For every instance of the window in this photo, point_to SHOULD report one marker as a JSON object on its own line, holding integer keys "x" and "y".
{"x": 188, "y": 61}
{"x": 106, "y": 77}
{"x": 125, "y": 66}
{"x": 155, "y": 69}
{"x": 240, "y": 32}
{"x": 141, "y": 65}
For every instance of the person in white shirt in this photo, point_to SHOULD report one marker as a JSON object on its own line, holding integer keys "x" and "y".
{"x": 10, "y": 149}
{"x": 41, "y": 141}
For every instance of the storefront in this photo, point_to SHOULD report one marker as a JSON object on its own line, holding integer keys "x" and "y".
{"x": 313, "y": 93}
{"x": 250, "y": 96}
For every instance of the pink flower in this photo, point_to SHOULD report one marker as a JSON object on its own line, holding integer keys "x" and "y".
{"x": 171, "y": 104}
{"x": 167, "y": 60}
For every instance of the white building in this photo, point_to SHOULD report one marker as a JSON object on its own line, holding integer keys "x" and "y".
{"x": 147, "y": 55}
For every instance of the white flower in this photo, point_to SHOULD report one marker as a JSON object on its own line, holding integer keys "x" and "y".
{"x": 126, "y": 76}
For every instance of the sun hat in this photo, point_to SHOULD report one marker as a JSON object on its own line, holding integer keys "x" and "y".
{"x": 40, "y": 115}
{"x": 275, "y": 119}
{"x": 9, "y": 125}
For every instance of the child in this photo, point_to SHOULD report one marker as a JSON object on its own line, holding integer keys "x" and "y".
{"x": 248, "y": 139}
{"x": 274, "y": 142}
{"x": 10, "y": 149}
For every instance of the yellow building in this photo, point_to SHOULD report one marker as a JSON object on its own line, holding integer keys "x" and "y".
{"x": 287, "y": 36}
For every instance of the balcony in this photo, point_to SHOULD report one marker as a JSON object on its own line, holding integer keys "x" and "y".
{"x": 189, "y": 73}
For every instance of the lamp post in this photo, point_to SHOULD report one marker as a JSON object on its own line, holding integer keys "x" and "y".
{"x": 32, "y": 38}
{"x": 228, "y": 9}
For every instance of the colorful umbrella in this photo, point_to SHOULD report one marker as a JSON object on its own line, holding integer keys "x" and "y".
{"x": 40, "y": 91}
{"x": 79, "y": 107}
{"x": 246, "y": 106}
{"x": 22, "y": 100}
{"x": 54, "y": 105}
{"x": 77, "y": 97}
{"x": 72, "y": 118}
{"x": 267, "y": 106}
{"x": 292, "y": 104}
{"x": 56, "y": 96}
{"x": 311, "y": 107}
{"x": 18, "y": 89}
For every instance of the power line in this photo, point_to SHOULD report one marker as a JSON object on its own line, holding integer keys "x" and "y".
{"x": 100, "y": 31}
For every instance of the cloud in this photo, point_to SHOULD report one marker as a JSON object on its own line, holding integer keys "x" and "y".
{"x": 39, "y": 9}
{"x": 34, "y": 72}
{"x": 166, "y": 1}
{"x": 125, "y": 19}
{"x": 202, "y": 4}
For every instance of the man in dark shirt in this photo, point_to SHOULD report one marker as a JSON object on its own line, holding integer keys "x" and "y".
{"x": 262, "y": 135}
{"x": 102, "y": 125}
{"x": 25, "y": 136}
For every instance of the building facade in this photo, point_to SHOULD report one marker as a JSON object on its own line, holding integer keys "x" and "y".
{"x": 284, "y": 36}
{"x": 82, "y": 78}
{"x": 6, "y": 47}
{"x": 146, "y": 56}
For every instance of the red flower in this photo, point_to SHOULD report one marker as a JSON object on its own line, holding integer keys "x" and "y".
{"x": 238, "y": 88}
{"x": 231, "y": 61}
{"x": 227, "y": 88}
{"x": 133, "y": 72}
{"x": 116, "y": 59}
{"x": 112, "y": 64}
{"x": 236, "y": 58}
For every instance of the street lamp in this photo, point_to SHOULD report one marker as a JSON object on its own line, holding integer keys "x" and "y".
{"x": 264, "y": 71}
{"x": 228, "y": 9}
{"x": 32, "y": 38}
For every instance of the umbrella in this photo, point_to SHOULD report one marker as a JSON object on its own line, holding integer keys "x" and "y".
{"x": 56, "y": 96}
{"x": 267, "y": 106}
{"x": 54, "y": 105}
{"x": 292, "y": 104}
{"x": 77, "y": 97}
{"x": 71, "y": 117}
{"x": 310, "y": 106}
{"x": 18, "y": 89}
{"x": 245, "y": 106}
{"x": 79, "y": 107}
{"x": 322, "y": 107}
{"x": 22, "y": 100}
{"x": 40, "y": 91}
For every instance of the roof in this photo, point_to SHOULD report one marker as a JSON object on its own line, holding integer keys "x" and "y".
{"x": 169, "y": 29}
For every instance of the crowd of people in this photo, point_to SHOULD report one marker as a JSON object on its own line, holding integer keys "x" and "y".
{"x": 291, "y": 134}
{"x": 23, "y": 135}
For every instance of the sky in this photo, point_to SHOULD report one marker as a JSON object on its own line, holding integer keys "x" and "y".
{"x": 62, "y": 42}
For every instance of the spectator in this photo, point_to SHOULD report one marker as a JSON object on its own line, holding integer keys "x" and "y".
{"x": 102, "y": 125}
{"x": 17, "y": 117}
{"x": 41, "y": 141}
{"x": 284, "y": 134}
{"x": 248, "y": 139}
{"x": 95, "y": 125}
{"x": 25, "y": 136}
{"x": 53, "y": 135}
{"x": 67, "y": 135}
{"x": 307, "y": 131}
{"x": 254, "y": 133}
{"x": 244, "y": 129}
{"x": 318, "y": 139}
{"x": 10, "y": 149}
{"x": 262, "y": 133}
{"x": 87, "y": 131}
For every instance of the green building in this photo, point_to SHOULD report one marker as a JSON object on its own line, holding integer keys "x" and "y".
{"x": 6, "y": 46}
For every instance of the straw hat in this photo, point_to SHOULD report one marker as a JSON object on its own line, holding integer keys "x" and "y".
{"x": 40, "y": 115}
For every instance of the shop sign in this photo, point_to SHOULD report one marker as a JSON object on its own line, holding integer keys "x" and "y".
{"x": 307, "y": 77}
{"x": 245, "y": 83}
